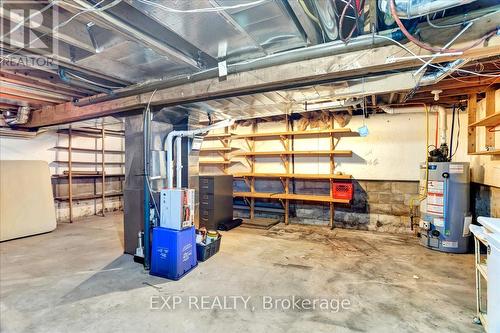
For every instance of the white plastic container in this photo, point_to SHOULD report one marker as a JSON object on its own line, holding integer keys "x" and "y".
{"x": 492, "y": 236}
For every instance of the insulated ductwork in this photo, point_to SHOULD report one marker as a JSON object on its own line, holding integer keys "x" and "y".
{"x": 407, "y": 9}
{"x": 22, "y": 117}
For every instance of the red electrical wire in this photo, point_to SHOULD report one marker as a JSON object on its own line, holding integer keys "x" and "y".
{"x": 427, "y": 46}
{"x": 357, "y": 11}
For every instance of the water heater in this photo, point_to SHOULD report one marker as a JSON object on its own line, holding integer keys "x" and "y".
{"x": 445, "y": 214}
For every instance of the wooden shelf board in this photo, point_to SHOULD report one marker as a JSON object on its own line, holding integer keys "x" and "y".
{"x": 292, "y": 133}
{"x": 294, "y": 152}
{"x": 91, "y": 132}
{"x": 291, "y": 175}
{"x": 87, "y": 150}
{"x": 215, "y": 149}
{"x": 88, "y": 196}
{"x": 214, "y": 162}
{"x": 492, "y": 120}
{"x": 304, "y": 197}
{"x": 487, "y": 152}
{"x": 89, "y": 163}
{"x": 216, "y": 136}
{"x": 76, "y": 175}
{"x": 483, "y": 270}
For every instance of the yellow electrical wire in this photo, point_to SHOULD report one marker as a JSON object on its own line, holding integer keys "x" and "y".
{"x": 308, "y": 12}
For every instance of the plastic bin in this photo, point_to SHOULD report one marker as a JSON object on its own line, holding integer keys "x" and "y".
{"x": 173, "y": 253}
{"x": 342, "y": 190}
{"x": 203, "y": 252}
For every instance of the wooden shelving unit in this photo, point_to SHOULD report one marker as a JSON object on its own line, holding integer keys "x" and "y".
{"x": 293, "y": 152}
{"x": 70, "y": 174}
{"x": 88, "y": 196}
{"x": 89, "y": 163}
{"x": 87, "y": 150}
{"x": 216, "y": 149}
{"x": 207, "y": 162}
{"x": 292, "y": 175}
{"x": 292, "y": 133}
{"x": 284, "y": 196}
{"x": 487, "y": 152}
{"x": 64, "y": 176}
{"x": 225, "y": 140}
{"x": 489, "y": 122}
{"x": 285, "y": 155}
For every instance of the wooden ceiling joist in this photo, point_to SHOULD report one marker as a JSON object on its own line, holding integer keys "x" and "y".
{"x": 301, "y": 73}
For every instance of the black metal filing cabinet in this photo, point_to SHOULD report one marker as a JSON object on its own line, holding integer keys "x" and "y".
{"x": 216, "y": 200}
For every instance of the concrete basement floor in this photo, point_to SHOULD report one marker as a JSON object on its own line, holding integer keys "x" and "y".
{"x": 76, "y": 279}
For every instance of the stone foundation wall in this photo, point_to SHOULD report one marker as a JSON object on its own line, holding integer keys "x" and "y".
{"x": 377, "y": 205}
{"x": 485, "y": 200}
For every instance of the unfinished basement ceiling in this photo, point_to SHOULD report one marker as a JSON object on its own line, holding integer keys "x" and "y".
{"x": 134, "y": 42}
{"x": 105, "y": 47}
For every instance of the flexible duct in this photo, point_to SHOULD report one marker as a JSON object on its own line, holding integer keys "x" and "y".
{"x": 22, "y": 116}
{"x": 73, "y": 82}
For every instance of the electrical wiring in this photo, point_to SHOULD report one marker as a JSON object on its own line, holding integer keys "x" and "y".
{"x": 308, "y": 12}
{"x": 458, "y": 134}
{"x": 432, "y": 65}
{"x": 357, "y": 12}
{"x": 447, "y": 26}
{"x": 427, "y": 46}
{"x": 146, "y": 173}
{"x": 341, "y": 22}
{"x": 202, "y": 10}
{"x": 312, "y": 17}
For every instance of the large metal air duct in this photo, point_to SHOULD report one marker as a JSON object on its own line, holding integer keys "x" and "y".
{"x": 407, "y": 9}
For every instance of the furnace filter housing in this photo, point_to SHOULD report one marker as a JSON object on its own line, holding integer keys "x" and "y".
{"x": 445, "y": 213}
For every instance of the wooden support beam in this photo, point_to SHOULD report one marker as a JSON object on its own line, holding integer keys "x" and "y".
{"x": 306, "y": 72}
{"x": 103, "y": 166}
{"x": 472, "y": 110}
{"x": 490, "y": 110}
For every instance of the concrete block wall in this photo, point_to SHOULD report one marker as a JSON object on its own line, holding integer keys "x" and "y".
{"x": 377, "y": 205}
{"x": 86, "y": 186}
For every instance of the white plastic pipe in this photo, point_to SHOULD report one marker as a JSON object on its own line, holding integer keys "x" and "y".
{"x": 402, "y": 110}
{"x": 190, "y": 134}
{"x": 178, "y": 163}
{"x": 442, "y": 123}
